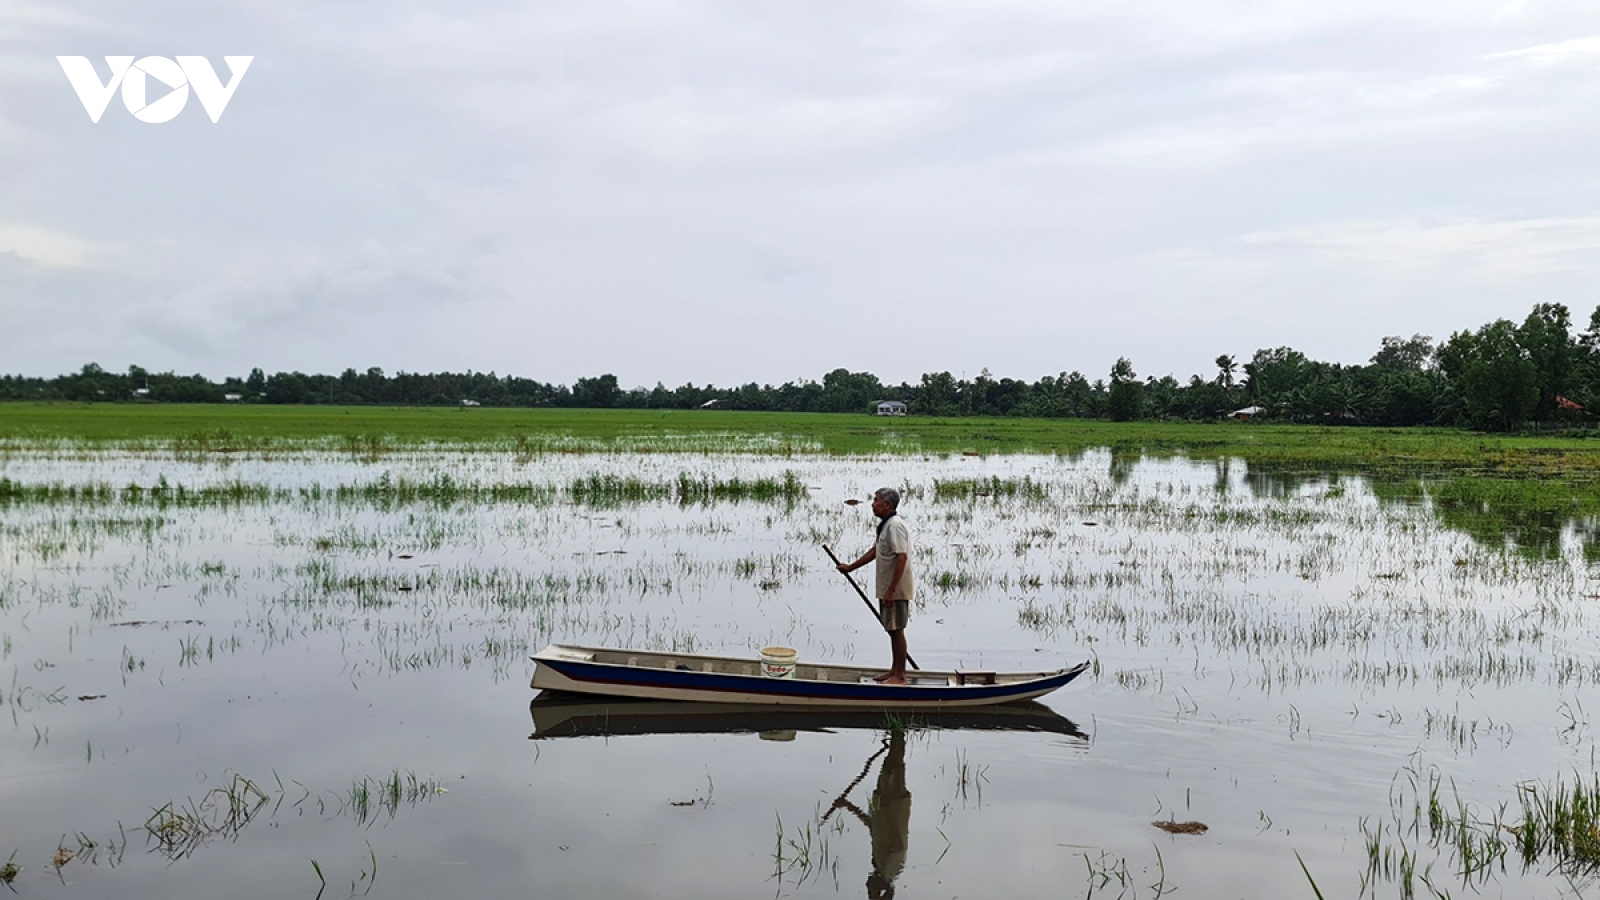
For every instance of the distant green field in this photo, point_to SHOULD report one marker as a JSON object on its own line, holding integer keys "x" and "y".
{"x": 204, "y": 428}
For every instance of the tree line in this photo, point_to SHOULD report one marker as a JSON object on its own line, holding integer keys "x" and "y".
{"x": 1500, "y": 377}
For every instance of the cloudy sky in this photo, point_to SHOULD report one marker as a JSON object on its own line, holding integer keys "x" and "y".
{"x": 734, "y": 192}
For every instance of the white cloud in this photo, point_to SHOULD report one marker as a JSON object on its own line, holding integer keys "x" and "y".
{"x": 20, "y": 18}
{"x": 1562, "y": 51}
{"x": 52, "y": 249}
{"x": 1505, "y": 250}
{"x": 410, "y": 188}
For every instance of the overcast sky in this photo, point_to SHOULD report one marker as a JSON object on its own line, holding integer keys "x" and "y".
{"x": 754, "y": 191}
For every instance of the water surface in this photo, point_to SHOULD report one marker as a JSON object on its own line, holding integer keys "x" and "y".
{"x": 258, "y": 675}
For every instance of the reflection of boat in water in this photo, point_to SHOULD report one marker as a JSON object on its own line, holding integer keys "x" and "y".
{"x": 886, "y": 814}
{"x": 726, "y": 679}
{"x": 556, "y": 715}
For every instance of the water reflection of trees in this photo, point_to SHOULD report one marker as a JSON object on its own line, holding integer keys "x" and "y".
{"x": 1123, "y": 462}
{"x": 1224, "y": 475}
{"x": 1533, "y": 519}
{"x": 1284, "y": 485}
{"x": 1229, "y": 474}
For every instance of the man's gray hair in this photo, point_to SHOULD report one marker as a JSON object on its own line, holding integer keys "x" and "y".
{"x": 889, "y": 496}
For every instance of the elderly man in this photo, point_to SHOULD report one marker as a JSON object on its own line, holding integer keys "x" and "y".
{"x": 894, "y": 583}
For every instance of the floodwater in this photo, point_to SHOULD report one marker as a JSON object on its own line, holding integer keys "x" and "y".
{"x": 304, "y": 674}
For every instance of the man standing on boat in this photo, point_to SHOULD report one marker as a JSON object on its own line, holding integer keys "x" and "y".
{"x": 894, "y": 583}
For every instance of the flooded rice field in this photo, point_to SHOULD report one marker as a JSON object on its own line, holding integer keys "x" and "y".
{"x": 307, "y": 674}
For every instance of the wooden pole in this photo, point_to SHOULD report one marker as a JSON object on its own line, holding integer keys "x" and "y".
{"x": 863, "y": 595}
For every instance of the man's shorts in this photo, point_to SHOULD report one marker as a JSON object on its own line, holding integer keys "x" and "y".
{"x": 894, "y": 615}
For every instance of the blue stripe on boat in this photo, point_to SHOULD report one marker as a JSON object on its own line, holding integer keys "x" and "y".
{"x": 604, "y": 673}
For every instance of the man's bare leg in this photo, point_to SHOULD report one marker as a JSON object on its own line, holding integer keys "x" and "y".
{"x": 889, "y": 676}
{"x": 883, "y": 614}
{"x": 897, "y": 668}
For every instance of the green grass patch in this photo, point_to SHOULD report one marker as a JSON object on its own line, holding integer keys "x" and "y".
{"x": 371, "y": 432}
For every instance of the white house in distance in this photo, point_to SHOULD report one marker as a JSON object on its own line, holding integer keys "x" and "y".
{"x": 891, "y": 408}
{"x": 1249, "y": 412}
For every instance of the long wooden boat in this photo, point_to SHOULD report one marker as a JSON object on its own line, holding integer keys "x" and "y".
{"x": 561, "y": 715}
{"x": 726, "y": 679}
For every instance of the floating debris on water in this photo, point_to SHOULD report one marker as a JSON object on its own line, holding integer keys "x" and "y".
{"x": 1172, "y": 827}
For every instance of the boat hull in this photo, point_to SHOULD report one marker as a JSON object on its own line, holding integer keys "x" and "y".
{"x": 711, "y": 679}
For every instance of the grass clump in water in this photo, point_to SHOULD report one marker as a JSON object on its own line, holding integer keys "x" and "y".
{"x": 993, "y": 487}
{"x": 687, "y": 489}
{"x": 370, "y": 797}
{"x": 179, "y": 830}
{"x": 1559, "y": 830}
{"x": 1561, "y": 823}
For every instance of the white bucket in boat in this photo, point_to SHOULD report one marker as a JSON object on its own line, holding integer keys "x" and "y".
{"x": 778, "y": 662}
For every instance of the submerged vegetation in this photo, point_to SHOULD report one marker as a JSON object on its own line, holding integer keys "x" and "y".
{"x": 179, "y": 607}
{"x": 178, "y": 829}
{"x": 387, "y": 492}
{"x": 1553, "y": 826}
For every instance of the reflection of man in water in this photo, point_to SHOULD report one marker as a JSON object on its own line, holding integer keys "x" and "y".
{"x": 889, "y": 821}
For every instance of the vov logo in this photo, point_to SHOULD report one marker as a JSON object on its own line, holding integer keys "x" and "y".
{"x": 135, "y": 77}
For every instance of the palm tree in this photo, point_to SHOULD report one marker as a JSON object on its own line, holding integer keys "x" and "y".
{"x": 1225, "y": 369}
